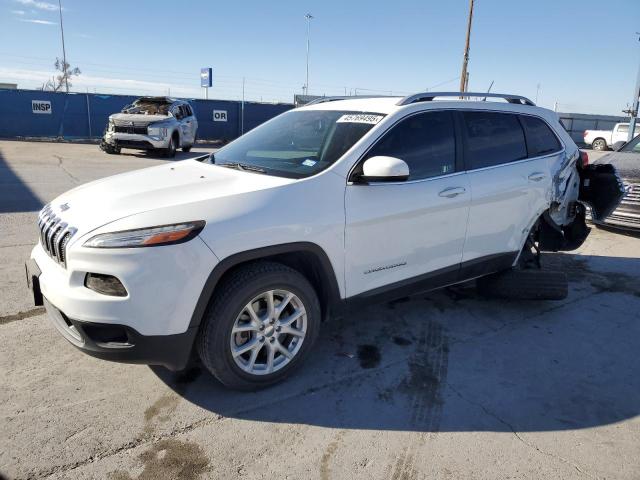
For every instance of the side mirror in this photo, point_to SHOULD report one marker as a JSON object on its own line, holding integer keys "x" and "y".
{"x": 618, "y": 145}
{"x": 384, "y": 169}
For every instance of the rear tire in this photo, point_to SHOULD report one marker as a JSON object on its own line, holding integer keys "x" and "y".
{"x": 599, "y": 144}
{"x": 525, "y": 285}
{"x": 229, "y": 325}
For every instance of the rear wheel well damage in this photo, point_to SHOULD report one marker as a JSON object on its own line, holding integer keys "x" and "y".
{"x": 307, "y": 258}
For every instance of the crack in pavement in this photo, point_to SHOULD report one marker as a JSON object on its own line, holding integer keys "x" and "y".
{"x": 64, "y": 169}
{"x": 22, "y": 315}
{"x": 517, "y": 435}
{"x": 18, "y": 245}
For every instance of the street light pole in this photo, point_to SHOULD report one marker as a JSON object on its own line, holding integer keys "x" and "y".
{"x": 464, "y": 76}
{"x": 308, "y": 16}
{"x": 634, "y": 109}
{"x": 64, "y": 53}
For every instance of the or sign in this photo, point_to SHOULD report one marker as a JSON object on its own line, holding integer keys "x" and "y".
{"x": 219, "y": 115}
{"x": 41, "y": 106}
{"x": 206, "y": 77}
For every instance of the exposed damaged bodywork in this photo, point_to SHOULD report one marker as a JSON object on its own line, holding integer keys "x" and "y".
{"x": 152, "y": 123}
{"x": 576, "y": 187}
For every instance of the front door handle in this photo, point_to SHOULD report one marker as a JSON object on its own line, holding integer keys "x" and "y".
{"x": 452, "y": 192}
{"x": 537, "y": 176}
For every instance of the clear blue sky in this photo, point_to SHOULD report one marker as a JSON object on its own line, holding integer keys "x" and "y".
{"x": 583, "y": 53}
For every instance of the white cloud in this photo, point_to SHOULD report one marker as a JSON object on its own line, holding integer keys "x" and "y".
{"x": 18, "y": 12}
{"x": 39, "y": 22}
{"x": 35, "y": 78}
{"x": 39, "y": 4}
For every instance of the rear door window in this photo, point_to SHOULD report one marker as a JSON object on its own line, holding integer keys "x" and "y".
{"x": 426, "y": 142}
{"x": 493, "y": 138}
{"x": 540, "y": 139}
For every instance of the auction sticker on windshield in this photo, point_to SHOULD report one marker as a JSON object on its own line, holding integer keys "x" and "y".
{"x": 360, "y": 118}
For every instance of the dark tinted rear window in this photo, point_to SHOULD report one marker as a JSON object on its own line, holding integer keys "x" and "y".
{"x": 540, "y": 139}
{"x": 493, "y": 138}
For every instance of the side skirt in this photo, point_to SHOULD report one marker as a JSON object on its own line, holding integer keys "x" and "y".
{"x": 443, "y": 277}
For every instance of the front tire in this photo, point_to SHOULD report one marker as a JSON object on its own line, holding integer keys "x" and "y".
{"x": 170, "y": 151}
{"x": 599, "y": 144}
{"x": 260, "y": 326}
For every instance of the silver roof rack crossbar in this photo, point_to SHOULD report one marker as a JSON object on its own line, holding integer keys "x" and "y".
{"x": 429, "y": 96}
{"x": 351, "y": 97}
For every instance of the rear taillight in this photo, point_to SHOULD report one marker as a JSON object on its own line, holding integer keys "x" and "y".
{"x": 584, "y": 158}
{"x": 584, "y": 134}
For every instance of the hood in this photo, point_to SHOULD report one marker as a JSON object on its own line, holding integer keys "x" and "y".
{"x": 137, "y": 118}
{"x": 187, "y": 182}
{"x": 627, "y": 164}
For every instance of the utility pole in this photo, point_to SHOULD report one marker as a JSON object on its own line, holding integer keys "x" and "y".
{"x": 64, "y": 53}
{"x": 464, "y": 76}
{"x": 308, "y": 16}
{"x": 242, "y": 110}
{"x": 537, "y": 92}
{"x": 634, "y": 109}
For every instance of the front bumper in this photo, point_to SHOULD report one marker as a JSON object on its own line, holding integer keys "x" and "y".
{"x": 114, "y": 342}
{"x": 137, "y": 141}
{"x": 120, "y": 343}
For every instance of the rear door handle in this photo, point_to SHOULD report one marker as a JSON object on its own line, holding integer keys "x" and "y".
{"x": 537, "y": 176}
{"x": 452, "y": 192}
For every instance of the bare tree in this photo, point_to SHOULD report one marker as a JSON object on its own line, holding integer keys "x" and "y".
{"x": 58, "y": 82}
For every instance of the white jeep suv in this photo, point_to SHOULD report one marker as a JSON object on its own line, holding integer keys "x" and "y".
{"x": 240, "y": 255}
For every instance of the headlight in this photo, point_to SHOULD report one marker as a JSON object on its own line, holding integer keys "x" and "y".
{"x": 157, "y": 130}
{"x": 147, "y": 237}
{"x": 111, "y": 126}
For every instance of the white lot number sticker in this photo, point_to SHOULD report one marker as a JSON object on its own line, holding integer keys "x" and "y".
{"x": 360, "y": 118}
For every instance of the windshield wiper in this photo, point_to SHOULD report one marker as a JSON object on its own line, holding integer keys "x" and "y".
{"x": 242, "y": 167}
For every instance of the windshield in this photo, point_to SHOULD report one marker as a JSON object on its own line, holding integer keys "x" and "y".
{"x": 146, "y": 107}
{"x": 632, "y": 146}
{"x": 298, "y": 143}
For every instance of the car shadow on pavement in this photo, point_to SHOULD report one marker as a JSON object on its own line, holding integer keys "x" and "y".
{"x": 15, "y": 195}
{"x": 454, "y": 361}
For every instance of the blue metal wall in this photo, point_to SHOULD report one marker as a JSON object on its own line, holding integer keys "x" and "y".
{"x": 81, "y": 116}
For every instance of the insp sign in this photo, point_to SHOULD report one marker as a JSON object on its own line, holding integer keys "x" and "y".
{"x": 41, "y": 106}
{"x": 219, "y": 115}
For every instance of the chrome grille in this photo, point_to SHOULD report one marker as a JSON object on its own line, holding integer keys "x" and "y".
{"x": 632, "y": 193}
{"x": 131, "y": 129}
{"x": 54, "y": 235}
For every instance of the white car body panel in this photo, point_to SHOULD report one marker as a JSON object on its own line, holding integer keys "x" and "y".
{"x": 402, "y": 230}
{"x": 505, "y": 202}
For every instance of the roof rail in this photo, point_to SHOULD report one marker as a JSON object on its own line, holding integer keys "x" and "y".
{"x": 350, "y": 97}
{"x": 429, "y": 96}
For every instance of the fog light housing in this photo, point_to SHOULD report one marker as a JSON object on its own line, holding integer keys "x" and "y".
{"x": 105, "y": 284}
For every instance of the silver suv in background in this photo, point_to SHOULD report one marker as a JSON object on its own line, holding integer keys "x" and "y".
{"x": 152, "y": 123}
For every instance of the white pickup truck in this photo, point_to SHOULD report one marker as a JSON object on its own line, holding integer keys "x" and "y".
{"x": 604, "y": 139}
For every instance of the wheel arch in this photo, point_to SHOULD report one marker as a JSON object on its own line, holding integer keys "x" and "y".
{"x": 306, "y": 257}
{"x": 606, "y": 144}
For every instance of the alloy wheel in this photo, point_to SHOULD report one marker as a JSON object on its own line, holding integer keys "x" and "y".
{"x": 268, "y": 332}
